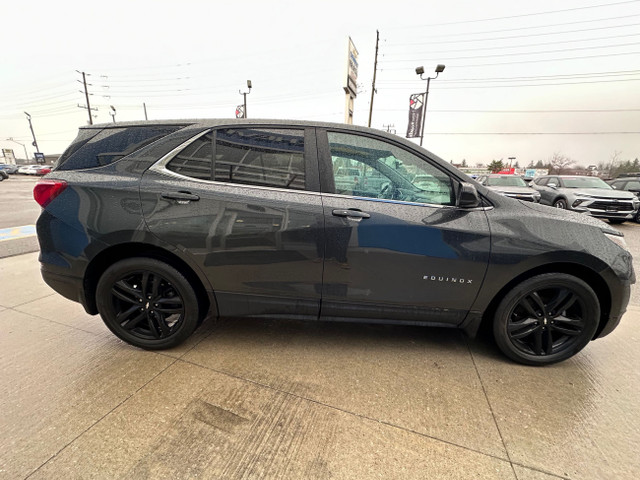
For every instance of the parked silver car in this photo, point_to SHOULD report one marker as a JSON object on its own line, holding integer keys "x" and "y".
{"x": 510, "y": 186}
{"x": 590, "y": 195}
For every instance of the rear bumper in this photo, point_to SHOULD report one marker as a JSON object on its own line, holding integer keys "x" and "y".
{"x": 67, "y": 286}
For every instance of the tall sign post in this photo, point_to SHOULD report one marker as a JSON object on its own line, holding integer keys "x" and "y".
{"x": 351, "y": 85}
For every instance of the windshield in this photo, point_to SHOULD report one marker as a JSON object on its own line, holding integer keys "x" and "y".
{"x": 506, "y": 181}
{"x": 585, "y": 182}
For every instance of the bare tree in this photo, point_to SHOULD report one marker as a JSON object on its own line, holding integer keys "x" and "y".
{"x": 559, "y": 163}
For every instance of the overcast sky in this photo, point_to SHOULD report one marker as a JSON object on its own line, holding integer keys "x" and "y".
{"x": 522, "y": 79}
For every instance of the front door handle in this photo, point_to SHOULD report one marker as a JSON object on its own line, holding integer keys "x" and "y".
{"x": 181, "y": 197}
{"x": 350, "y": 213}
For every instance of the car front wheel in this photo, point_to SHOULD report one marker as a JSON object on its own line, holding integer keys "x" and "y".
{"x": 546, "y": 319}
{"x": 560, "y": 203}
{"x": 147, "y": 303}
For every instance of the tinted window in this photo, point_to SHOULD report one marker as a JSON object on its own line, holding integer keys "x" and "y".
{"x": 585, "y": 182}
{"x": 385, "y": 171}
{"x": 195, "y": 160}
{"x": 541, "y": 181}
{"x": 257, "y": 156}
{"x": 111, "y": 144}
{"x": 506, "y": 181}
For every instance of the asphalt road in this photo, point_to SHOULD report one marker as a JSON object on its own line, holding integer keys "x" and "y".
{"x": 16, "y": 197}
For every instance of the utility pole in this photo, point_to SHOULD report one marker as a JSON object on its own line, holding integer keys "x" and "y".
{"x": 86, "y": 95}
{"x": 144, "y": 105}
{"x": 35, "y": 142}
{"x": 373, "y": 84}
{"x": 113, "y": 115}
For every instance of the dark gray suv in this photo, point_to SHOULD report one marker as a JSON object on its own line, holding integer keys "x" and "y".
{"x": 154, "y": 225}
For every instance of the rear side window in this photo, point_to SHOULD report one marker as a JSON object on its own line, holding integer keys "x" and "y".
{"x": 269, "y": 157}
{"x": 195, "y": 160}
{"x": 252, "y": 156}
{"x": 109, "y": 145}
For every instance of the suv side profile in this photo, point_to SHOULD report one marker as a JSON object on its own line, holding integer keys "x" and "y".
{"x": 156, "y": 225}
{"x": 589, "y": 195}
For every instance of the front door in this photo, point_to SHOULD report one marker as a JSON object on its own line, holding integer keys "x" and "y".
{"x": 397, "y": 247}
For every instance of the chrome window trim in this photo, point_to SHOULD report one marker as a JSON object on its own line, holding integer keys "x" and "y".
{"x": 161, "y": 167}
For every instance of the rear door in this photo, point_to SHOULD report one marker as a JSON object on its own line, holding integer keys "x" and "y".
{"x": 242, "y": 203}
{"x": 397, "y": 251}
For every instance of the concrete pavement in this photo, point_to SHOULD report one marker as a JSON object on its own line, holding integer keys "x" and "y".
{"x": 251, "y": 399}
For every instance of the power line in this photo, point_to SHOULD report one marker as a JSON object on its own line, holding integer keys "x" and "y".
{"x": 534, "y": 133}
{"x": 525, "y": 61}
{"x": 519, "y": 54}
{"x": 467, "y": 86}
{"x": 527, "y": 45}
{"x": 475, "y": 40}
{"x": 604, "y": 110}
{"x": 619, "y": 73}
{"x": 522, "y": 15}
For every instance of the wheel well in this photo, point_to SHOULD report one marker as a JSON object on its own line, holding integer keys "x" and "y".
{"x": 110, "y": 255}
{"x": 583, "y": 273}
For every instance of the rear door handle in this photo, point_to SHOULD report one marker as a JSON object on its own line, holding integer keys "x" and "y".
{"x": 350, "y": 213}
{"x": 181, "y": 197}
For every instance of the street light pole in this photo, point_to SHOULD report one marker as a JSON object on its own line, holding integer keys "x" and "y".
{"x": 420, "y": 71}
{"x": 26, "y": 155}
{"x": 113, "y": 115}
{"x": 245, "y": 97}
{"x": 35, "y": 142}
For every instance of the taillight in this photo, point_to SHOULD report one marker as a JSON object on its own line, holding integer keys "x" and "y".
{"x": 46, "y": 190}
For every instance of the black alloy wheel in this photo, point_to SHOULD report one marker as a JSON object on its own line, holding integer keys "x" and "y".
{"x": 147, "y": 303}
{"x": 546, "y": 319}
{"x": 560, "y": 203}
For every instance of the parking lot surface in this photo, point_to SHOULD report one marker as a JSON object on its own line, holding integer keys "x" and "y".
{"x": 285, "y": 399}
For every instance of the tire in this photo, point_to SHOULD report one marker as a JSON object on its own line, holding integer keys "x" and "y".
{"x": 560, "y": 203}
{"x": 636, "y": 217}
{"x": 529, "y": 328}
{"x": 616, "y": 221}
{"x": 147, "y": 303}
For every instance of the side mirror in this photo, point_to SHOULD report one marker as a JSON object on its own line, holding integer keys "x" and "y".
{"x": 468, "y": 196}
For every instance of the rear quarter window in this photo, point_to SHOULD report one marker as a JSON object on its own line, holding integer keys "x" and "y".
{"x": 109, "y": 145}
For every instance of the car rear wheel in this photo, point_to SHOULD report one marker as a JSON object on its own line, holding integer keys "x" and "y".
{"x": 546, "y": 319}
{"x": 147, "y": 303}
{"x": 560, "y": 203}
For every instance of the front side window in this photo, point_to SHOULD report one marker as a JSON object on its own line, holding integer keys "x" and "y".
{"x": 260, "y": 156}
{"x": 366, "y": 167}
